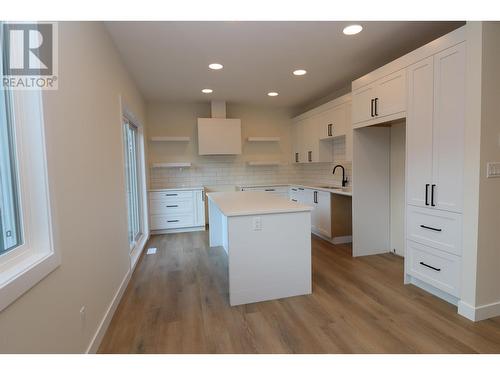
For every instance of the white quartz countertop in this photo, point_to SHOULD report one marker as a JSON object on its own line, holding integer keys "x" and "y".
{"x": 179, "y": 188}
{"x": 242, "y": 203}
{"x": 330, "y": 189}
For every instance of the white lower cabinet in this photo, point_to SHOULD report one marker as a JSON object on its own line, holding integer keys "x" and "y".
{"x": 435, "y": 267}
{"x": 177, "y": 210}
{"x": 321, "y": 219}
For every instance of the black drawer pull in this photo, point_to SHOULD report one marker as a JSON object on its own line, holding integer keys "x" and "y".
{"x": 172, "y": 221}
{"x": 431, "y": 228}
{"x": 295, "y": 200}
{"x": 294, "y": 189}
{"x": 171, "y": 195}
{"x": 269, "y": 189}
{"x": 301, "y": 188}
{"x": 433, "y": 268}
{"x": 172, "y": 206}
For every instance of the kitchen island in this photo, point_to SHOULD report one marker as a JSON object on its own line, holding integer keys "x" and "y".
{"x": 268, "y": 242}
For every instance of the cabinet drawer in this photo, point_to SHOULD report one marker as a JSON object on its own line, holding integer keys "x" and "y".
{"x": 435, "y": 267}
{"x": 172, "y": 194}
{"x": 174, "y": 206}
{"x": 171, "y": 221}
{"x": 435, "y": 228}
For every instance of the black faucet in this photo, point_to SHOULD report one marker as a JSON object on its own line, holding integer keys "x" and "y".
{"x": 344, "y": 180}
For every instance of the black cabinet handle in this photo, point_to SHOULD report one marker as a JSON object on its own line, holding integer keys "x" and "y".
{"x": 296, "y": 157}
{"x": 172, "y": 206}
{"x": 433, "y": 268}
{"x": 293, "y": 189}
{"x": 172, "y": 221}
{"x": 376, "y": 106}
{"x": 432, "y": 195}
{"x": 371, "y": 107}
{"x": 269, "y": 190}
{"x": 171, "y": 195}
{"x": 295, "y": 200}
{"x": 315, "y": 197}
{"x": 309, "y": 155}
{"x": 431, "y": 228}
{"x": 330, "y": 130}
{"x": 427, "y": 194}
{"x": 301, "y": 188}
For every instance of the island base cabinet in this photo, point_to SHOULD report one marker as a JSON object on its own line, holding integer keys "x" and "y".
{"x": 272, "y": 262}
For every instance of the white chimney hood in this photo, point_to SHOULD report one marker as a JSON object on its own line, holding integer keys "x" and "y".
{"x": 219, "y": 135}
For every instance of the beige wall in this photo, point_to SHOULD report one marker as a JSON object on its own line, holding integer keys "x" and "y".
{"x": 85, "y": 161}
{"x": 488, "y": 260}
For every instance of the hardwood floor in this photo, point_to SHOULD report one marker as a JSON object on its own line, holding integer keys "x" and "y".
{"x": 177, "y": 302}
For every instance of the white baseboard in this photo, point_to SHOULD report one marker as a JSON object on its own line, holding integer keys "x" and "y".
{"x": 103, "y": 326}
{"x": 433, "y": 290}
{"x": 478, "y": 313}
{"x": 334, "y": 240}
{"x": 179, "y": 230}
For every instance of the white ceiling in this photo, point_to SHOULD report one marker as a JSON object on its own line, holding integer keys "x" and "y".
{"x": 169, "y": 60}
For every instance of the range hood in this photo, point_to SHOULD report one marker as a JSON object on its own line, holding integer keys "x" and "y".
{"x": 219, "y": 135}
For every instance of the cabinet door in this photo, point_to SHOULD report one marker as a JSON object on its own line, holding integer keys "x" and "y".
{"x": 449, "y": 127}
{"x": 362, "y": 104}
{"x": 311, "y": 138}
{"x": 297, "y": 142}
{"x": 419, "y": 132}
{"x": 199, "y": 208}
{"x": 322, "y": 214}
{"x": 332, "y": 122}
{"x": 391, "y": 94}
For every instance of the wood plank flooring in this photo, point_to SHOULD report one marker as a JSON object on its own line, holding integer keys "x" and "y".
{"x": 177, "y": 302}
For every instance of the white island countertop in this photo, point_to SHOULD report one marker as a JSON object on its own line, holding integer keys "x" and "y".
{"x": 242, "y": 203}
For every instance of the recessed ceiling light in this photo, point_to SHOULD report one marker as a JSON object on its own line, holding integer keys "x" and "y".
{"x": 299, "y": 72}
{"x": 207, "y": 91}
{"x": 352, "y": 29}
{"x": 272, "y": 93}
{"x": 216, "y": 66}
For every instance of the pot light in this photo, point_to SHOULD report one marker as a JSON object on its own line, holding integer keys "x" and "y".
{"x": 352, "y": 29}
{"x": 299, "y": 72}
{"x": 207, "y": 91}
{"x": 216, "y": 66}
{"x": 272, "y": 93}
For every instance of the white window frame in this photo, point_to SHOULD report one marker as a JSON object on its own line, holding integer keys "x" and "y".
{"x": 24, "y": 266}
{"x": 138, "y": 246}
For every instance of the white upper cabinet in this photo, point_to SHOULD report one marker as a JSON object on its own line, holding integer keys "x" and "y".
{"x": 419, "y": 132}
{"x": 449, "y": 128}
{"x": 333, "y": 122}
{"x": 219, "y": 136}
{"x": 380, "y": 101}
{"x": 435, "y": 130}
{"x": 314, "y": 131}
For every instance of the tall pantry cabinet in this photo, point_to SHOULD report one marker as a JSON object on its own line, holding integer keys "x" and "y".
{"x": 435, "y": 127}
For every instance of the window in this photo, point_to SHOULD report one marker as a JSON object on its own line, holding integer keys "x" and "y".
{"x": 27, "y": 253}
{"x": 10, "y": 226}
{"x": 133, "y": 182}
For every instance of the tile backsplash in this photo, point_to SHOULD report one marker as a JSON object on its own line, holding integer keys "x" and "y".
{"x": 221, "y": 170}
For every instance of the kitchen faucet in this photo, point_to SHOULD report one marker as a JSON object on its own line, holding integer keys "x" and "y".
{"x": 344, "y": 179}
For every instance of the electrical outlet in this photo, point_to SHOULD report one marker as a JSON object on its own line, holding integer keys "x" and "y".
{"x": 151, "y": 250}
{"x": 493, "y": 170}
{"x": 257, "y": 223}
{"x": 8, "y": 233}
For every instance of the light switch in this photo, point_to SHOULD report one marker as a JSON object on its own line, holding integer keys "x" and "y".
{"x": 493, "y": 170}
{"x": 257, "y": 223}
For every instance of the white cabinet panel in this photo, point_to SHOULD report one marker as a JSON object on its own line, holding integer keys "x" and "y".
{"x": 419, "y": 132}
{"x": 362, "y": 104}
{"x": 436, "y": 228}
{"x": 390, "y": 94}
{"x": 333, "y": 122}
{"x": 435, "y": 267}
{"x": 449, "y": 127}
{"x": 321, "y": 215}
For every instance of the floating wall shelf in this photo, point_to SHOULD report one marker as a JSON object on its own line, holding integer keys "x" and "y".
{"x": 171, "y": 165}
{"x": 263, "y": 139}
{"x": 264, "y": 163}
{"x": 170, "y": 139}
